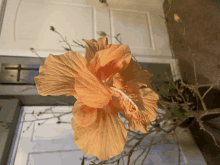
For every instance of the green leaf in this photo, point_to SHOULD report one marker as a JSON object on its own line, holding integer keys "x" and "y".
{"x": 178, "y": 114}
{"x": 166, "y": 86}
{"x": 192, "y": 85}
{"x": 82, "y": 161}
{"x": 172, "y": 86}
{"x": 167, "y": 97}
{"x": 158, "y": 75}
{"x": 167, "y": 23}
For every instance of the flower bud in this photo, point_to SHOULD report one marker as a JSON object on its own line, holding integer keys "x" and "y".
{"x": 101, "y": 33}
{"x": 176, "y": 18}
{"x": 52, "y": 28}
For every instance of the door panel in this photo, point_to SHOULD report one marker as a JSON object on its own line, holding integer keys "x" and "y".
{"x": 47, "y": 143}
{"x": 141, "y": 27}
{"x": 27, "y": 24}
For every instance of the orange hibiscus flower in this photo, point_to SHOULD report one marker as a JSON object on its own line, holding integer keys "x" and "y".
{"x": 105, "y": 82}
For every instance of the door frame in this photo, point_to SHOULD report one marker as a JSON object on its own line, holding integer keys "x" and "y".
{"x": 2, "y": 12}
{"x": 13, "y": 149}
{"x": 12, "y": 134}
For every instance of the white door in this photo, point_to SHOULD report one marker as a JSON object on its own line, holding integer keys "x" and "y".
{"x": 26, "y": 25}
{"x": 49, "y": 143}
{"x": 52, "y": 143}
{"x": 141, "y": 27}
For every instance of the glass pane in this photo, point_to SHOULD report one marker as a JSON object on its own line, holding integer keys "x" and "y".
{"x": 158, "y": 71}
{"x": 10, "y": 73}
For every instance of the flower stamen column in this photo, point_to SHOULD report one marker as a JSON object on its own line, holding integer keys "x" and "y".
{"x": 130, "y": 108}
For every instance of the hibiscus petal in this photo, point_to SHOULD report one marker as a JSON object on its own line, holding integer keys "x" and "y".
{"x": 120, "y": 83}
{"x": 115, "y": 105}
{"x": 104, "y": 138}
{"x": 148, "y": 99}
{"x": 91, "y": 91}
{"x": 133, "y": 78}
{"x": 148, "y": 105}
{"x": 57, "y": 73}
{"x": 92, "y": 46}
{"x": 83, "y": 114}
{"x": 111, "y": 60}
{"x": 138, "y": 126}
{"x": 146, "y": 113}
{"x": 135, "y": 73}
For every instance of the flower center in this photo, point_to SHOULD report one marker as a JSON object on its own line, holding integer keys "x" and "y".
{"x": 130, "y": 108}
{"x": 132, "y": 95}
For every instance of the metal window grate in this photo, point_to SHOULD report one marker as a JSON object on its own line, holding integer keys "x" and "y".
{"x": 21, "y": 74}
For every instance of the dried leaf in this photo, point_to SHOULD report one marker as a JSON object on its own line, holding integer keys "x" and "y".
{"x": 67, "y": 49}
{"x": 75, "y": 42}
{"x": 178, "y": 98}
{"x": 135, "y": 73}
{"x": 101, "y": 33}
